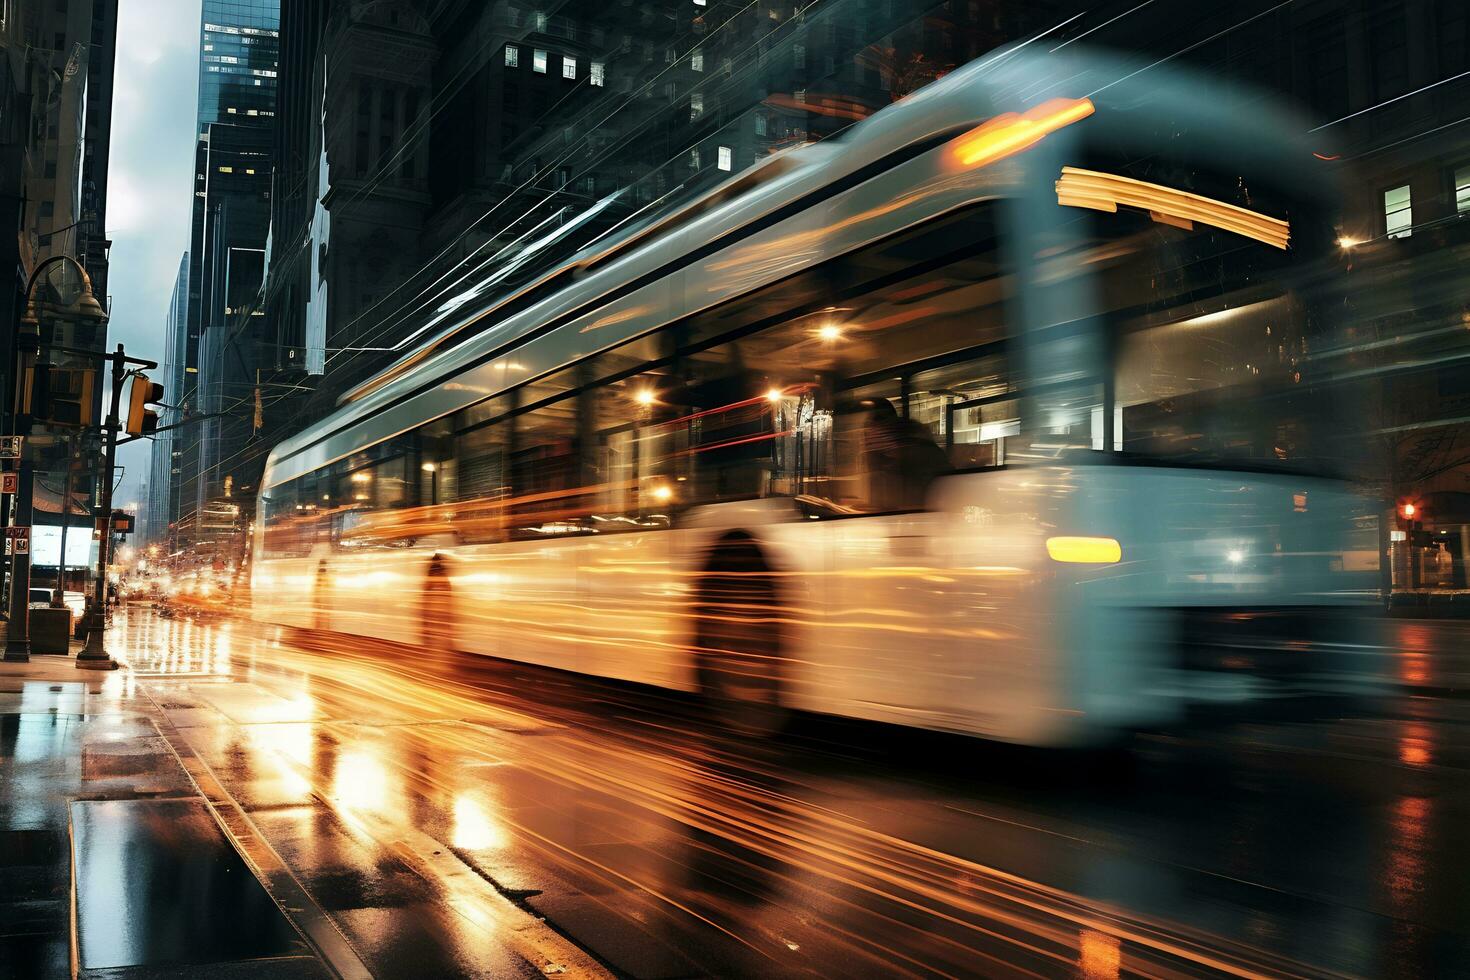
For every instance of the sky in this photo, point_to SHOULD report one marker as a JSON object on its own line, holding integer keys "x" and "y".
{"x": 149, "y": 183}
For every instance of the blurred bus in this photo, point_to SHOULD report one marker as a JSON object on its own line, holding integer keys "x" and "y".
{"x": 998, "y": 414}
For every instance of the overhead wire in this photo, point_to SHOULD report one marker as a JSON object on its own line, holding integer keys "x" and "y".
{"x": 539, "y": 173}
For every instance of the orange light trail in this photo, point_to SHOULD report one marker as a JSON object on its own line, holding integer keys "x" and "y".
{"x": 1012, "y": 132}
{"x": 1080, "y": 188}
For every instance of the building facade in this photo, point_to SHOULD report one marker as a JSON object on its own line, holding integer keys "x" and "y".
{"x": 214, "y": 351}
{"x": 163, "y": 466}
{"x": 56, "y": 78}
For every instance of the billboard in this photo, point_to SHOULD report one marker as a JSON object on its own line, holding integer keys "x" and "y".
{"x": 81, "y": 550}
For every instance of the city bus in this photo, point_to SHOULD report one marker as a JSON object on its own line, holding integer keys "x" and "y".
{"x": 1006, "y": 412}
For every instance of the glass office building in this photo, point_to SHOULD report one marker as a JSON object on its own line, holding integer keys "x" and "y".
{"x": 239, "y": 50}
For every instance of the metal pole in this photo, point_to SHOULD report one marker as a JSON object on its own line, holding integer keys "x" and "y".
{"x": 6, "y": 499}
{"x": 94, "y": 656}
{"x": 18, "y": 631}
{"x": 58, "y": 596}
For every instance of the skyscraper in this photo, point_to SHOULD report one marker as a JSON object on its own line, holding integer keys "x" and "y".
{"x": 239, "y": 49}
{"x": 163, "y": 465}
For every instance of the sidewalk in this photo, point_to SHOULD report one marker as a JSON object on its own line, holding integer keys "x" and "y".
{"x": 100, "y": 825}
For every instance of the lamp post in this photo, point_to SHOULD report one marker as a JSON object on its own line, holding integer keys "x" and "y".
{"x": 94, "y": 655}
{"x": 28, "y": 344}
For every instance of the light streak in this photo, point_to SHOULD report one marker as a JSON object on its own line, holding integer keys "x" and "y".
{"x": 1099, "y": 27}
{"x": 1080, "y": 188}
{"x": 1012, "y": 132}
{"x": 1396, "y": 98}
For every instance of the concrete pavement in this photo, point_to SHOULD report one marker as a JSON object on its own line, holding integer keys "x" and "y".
{"x": 111, "y": 863}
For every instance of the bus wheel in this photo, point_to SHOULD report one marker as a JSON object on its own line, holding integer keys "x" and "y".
{"x": 737, "y": 639}
{"x": 438, "y": 614}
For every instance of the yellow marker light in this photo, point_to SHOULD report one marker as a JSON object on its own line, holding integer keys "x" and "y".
{"x": 1013, "y": 132}
{"x": 1085, "y": 551}
{"x": 1079, "y": 188}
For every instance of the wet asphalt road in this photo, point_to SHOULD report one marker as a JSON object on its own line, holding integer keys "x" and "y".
{"x": 408, "y": 794}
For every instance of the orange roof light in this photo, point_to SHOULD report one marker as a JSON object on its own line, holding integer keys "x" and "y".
{"x": 1105, "y": 192}
{"x": 1013, "y": 132}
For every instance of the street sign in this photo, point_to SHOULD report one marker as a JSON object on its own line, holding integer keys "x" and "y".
{"x": 17, "y": 532}
{"x": 17, "y": 540}
{"x": 9, "y": 483}
{"x": 10, "y": 446}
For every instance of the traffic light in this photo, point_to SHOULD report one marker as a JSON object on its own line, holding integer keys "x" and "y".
{"x": 63, "y": 395}
{"x": 143, "y": 421}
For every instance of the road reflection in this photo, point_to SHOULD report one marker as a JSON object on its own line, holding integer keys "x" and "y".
{"x": 406, "y": 783}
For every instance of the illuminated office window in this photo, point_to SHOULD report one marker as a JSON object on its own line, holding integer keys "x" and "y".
{"x": 1398, "y": 212}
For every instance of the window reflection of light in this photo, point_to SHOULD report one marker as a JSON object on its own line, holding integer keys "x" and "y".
{"x": 1415, "y": 744}
{"x": 474, "y": 829}
{"x": 644, "y": 396}
{"x": 361, "y": 782}
{"x": 293, "y": 743}
{"x": 1101, "y": 955}
{"x": 829, "y": 332}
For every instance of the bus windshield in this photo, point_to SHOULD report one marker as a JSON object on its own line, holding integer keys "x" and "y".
{"x": 1206, "y": 332}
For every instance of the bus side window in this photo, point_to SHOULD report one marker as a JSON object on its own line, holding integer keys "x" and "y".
{"x": 637, "y": 458}
{"x": 483, "y": 482}
{"x": 549, "y": 497}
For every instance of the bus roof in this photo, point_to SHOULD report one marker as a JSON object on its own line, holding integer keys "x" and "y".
{"x": 1227, "y": 124}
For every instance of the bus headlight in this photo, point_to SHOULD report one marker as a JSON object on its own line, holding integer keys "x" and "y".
{"x": 1085, "y": 551}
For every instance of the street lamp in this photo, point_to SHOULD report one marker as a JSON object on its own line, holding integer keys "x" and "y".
{"x": 27, "y": 346}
